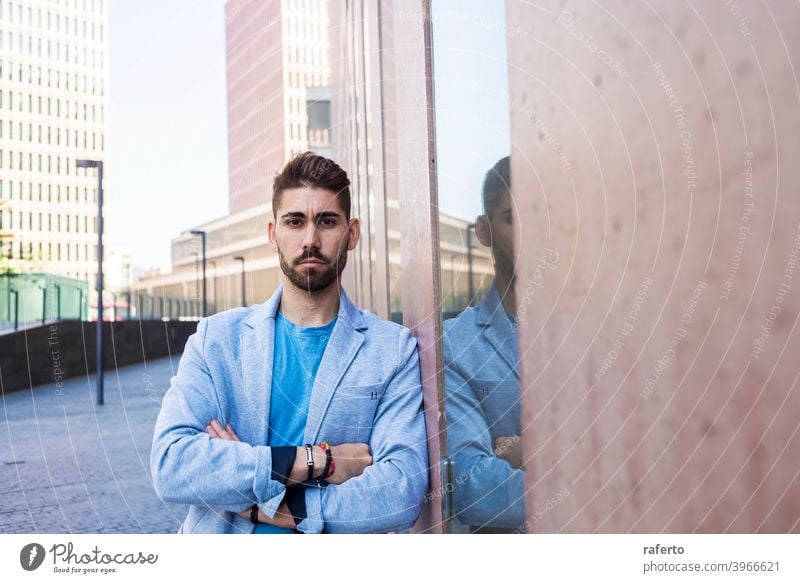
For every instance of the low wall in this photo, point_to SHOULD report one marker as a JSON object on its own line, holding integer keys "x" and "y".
{"x": 55, "y": 352}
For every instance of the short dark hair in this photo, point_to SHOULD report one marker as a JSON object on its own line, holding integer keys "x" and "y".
{"x": 497, "y": 182}
{"x": 310, "y": 170}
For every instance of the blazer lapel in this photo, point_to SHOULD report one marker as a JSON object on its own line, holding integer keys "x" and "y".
{"x": 257, "y": 348}
{"x": 346, "y": 338}
{"x": 497, "y": 329}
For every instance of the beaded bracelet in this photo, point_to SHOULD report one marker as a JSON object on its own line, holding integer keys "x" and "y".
{"x": 330, "y": 465}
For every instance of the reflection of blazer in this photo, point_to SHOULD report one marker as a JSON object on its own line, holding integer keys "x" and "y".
{"x": 483, "y": 403}
{"x": 367, "y": 390}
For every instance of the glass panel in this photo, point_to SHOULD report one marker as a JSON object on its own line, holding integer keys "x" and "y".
{"x": 476, "y": 225}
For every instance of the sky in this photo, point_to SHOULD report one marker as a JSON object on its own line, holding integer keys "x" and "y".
{"x": 471, "y": 99}
{"x": 167, "y": 162}
{"x": 168, "y": 155}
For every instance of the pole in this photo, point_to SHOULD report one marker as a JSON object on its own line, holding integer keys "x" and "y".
{"x": 244, "y": 296}
{"x": 16, "y": 308}
{"x": 202, "y": 235}
{"x": 44, "y": 304}
{"x": 470, "y": 288}
{"x": 214, "y": 278}
{"x": 100, "y": 347}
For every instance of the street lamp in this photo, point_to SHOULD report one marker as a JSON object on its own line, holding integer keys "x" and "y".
{"x": 16, "y": 308}
{"x": 44, "y": 302}
{"x": 99, "y": 353}
{"x": 244, "y": 297}
{"x": 196, "y": 278}
{"x": 214, "y": 279}
{"x": 58, "y": 301}
{"x": 470, "y": 288}
{"x": 202, "y": 235}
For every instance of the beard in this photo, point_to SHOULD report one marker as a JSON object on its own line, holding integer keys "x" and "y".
{"x": 313, "y": 279}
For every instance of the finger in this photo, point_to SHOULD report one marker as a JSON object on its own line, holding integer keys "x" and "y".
{"x": 221, "y": 430}
{"x": 232, "y": 432}
{"x": 212, "y": 432}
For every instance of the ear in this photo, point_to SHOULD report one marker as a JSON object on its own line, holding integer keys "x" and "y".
{"x": 271, "y": 235}
{"x": 353, "y": 233}
{"x": 483, "y": 230}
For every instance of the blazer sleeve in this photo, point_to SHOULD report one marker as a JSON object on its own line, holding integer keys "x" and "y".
{"x": 189, "y": 467}
{"x": 388, "y": 496}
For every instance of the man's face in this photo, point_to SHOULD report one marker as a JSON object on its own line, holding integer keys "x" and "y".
{"x": 497, "y": 231}
{"x": 311, "y": 236}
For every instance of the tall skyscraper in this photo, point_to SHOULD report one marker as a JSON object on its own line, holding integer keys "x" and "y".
{"x": 53, "y": 110}
{"x": 279, "y": 103}
{"x": 278, "y": 90}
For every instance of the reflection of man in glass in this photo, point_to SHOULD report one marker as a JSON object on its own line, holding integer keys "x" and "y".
{"x": 482, "y": 382}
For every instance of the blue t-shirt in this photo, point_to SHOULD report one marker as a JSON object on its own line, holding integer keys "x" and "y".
{"x": 296, "y": 359}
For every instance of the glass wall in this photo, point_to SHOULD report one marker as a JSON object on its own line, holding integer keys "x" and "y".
{"x": 420, "y": 110}
{"x": 476, "y": 225}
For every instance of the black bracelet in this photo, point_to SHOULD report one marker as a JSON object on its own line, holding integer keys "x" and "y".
{"x": 328, "y": 457}
{"x": 310, "y": 460}
{"x": 254, "y": 514}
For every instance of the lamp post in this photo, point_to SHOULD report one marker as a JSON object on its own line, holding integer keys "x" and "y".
{"x": 214, "y": 279}
{"x": 202, "y": 235}
{"x": 99, "y": 353}
{"x": 196, "y": 292}
{"x": 244, "y": 296}
{"x": 58, "y": 301}
{"x": 44, "y": 303}
{"x": 470, "y": 288}
{"x": 16, "y": 308}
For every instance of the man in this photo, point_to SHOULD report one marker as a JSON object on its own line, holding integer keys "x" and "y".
{"x": 482, "y": 381}
{"x": 242, "y": 432}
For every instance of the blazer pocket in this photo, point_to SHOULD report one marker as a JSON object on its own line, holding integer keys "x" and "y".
{"x": 500, "y": 402}
{"x": 352, "y": 410}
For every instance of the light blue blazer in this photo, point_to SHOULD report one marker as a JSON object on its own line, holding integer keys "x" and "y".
{"x": 482, "y": 404}
{"x": 367, "y": 390}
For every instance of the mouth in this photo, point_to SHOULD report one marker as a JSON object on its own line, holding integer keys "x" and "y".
{"x": 312, "y": 263}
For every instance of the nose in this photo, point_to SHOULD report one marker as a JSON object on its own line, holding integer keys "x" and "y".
{"x": 311, "y": 236}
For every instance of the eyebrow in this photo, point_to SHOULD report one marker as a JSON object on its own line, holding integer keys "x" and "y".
{"x": 302, "y": 215}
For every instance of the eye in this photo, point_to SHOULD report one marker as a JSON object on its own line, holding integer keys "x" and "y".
{"x": 328, "y": 222}
{"x": 293, "y": 222}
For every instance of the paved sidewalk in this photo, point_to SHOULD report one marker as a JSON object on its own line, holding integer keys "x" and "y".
{"x": 68, "y": 465}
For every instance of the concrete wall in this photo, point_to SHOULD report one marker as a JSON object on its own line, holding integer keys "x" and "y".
{"x": 655, "y": 154}
{"x": 55, "y": 352}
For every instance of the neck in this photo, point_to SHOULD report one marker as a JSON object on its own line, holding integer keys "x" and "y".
{"x": 309, "y": 309}
{"x": 505, "y": 287}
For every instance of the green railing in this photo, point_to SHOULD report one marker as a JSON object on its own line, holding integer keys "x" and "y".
{"x": 27, "y": 298}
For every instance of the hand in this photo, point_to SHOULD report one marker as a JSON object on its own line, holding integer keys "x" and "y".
{"x": 351, "y": 459}
{"x": 282, "y": 517}
{"x": 217, "y": 431}
{"x": 509, "y": 448}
